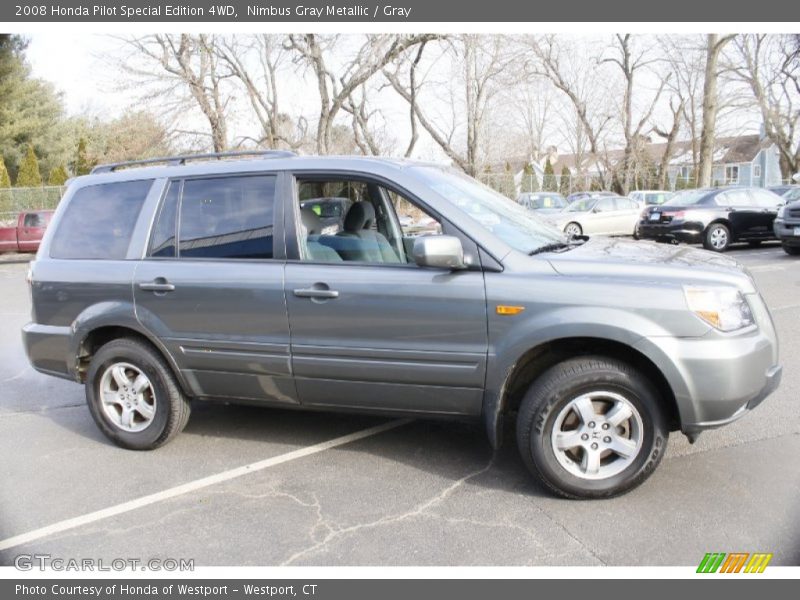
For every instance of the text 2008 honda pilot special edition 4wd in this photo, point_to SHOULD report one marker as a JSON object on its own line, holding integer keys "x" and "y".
{"x": 429, "y": 294}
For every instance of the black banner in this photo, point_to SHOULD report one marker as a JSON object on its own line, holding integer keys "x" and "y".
{"x": 320, "y": 11}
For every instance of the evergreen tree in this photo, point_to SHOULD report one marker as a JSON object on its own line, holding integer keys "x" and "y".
{"x": 82, "y": 163}
{"x": 549, "y": 178}
{"x": 29, "y": 174}
{"x": 58, "y": 176}
{"x": 529, "y": 181}
{"x": 565, "y": 181}
{"x": 5, "y": 179}
{"x": 508, "y": 187}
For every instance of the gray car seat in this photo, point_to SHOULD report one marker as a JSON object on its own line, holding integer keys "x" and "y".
{"x": 359, "y": 242}
{"x": 314, "y": 249}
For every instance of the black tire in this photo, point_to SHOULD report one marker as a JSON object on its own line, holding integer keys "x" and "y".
{"x": 791, "y": 250}
{"x": 717, "y": 237}
{"x": 172, "y": 407}
{"x": 551, "y": 393}
{"x": 577, "y": 229}
{"x": 636, "y": 235}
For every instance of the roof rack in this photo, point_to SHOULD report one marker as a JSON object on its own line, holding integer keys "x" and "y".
{"x": 174, "y": 161}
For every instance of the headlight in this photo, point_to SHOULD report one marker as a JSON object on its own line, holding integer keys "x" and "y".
{"x": 781, "y": 210}
{"x": 723, "y": 308}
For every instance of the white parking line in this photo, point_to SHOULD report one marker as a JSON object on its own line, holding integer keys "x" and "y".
{"x": 197, "y": 484}
{"x": 766, "y": 268}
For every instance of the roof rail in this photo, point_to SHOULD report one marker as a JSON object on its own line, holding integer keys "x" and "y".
{"x": 174, "y": 161}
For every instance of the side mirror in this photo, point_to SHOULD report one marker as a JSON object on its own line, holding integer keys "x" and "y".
{"x": 439, "y": 252}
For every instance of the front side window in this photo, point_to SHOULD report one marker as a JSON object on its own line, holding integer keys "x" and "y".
{"x": 355, "y": 221}
{"x": 99, "y": 221}
{"x": 227, "y": 217}
{"x": 34, "y": 220}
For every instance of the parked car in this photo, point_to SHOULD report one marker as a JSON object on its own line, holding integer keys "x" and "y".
{"x": 581, "y": 195}
{"x": 789, "y": 193}
{"x": 199, "y": 279}
{"x": 787, "y": 227}
{"x": 542, "y": 202}
{"x": 715, "y": 217}
{"x": 23, "y": 232}
{"x": 650, "y": 197}
{"x": 606, "y": 215}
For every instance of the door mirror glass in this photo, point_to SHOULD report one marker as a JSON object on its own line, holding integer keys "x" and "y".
{"x": 439, "y": 252}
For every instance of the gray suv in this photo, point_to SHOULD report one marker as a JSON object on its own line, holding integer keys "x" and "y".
{"x": 205, "y": 278}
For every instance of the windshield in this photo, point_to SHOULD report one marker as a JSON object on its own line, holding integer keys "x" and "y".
{"x": 516, "y": 226}
{"x": 547, "y": 201}
{"x": 583, "y": 205}
{"x": 687, "y": 198}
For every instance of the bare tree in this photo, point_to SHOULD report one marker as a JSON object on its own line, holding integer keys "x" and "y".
{"x": 178, "y": 63}
{"x": 769, "y": 65}
{"x": 631, "y": 61}
{"x": 714, "y": 46}
{"x": 335, "y": 92}
{"x": 256, "y": 63}
{"x": 479, "y": 65}
{"x": 677, "y": 109}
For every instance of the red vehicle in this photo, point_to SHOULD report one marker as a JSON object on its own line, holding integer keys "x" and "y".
{"x": 24, "y": 233}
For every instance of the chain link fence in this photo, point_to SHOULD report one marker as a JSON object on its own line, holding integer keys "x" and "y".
{"x": 16, "y": 200}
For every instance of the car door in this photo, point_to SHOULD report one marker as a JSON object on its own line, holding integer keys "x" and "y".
{"x": 602, "y": 219}
{"x": 31, "y": 231}
{"x": 627, "y": 211}
{"x": 384, "y": 336}
{"x": 744, "y": 216}
{"x": 768, "y": 203}
{"x": 211, "y": 287}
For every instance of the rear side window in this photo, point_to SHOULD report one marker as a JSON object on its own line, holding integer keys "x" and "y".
{"x": 227, "y": 217}
{"x": 99, "y": 221}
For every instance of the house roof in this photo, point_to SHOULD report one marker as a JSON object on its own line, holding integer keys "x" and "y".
{"x": 731, "y": 149}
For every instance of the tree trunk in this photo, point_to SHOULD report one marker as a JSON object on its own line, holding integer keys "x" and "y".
{"x": 714, "y": 45}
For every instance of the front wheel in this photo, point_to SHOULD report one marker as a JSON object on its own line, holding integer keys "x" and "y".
{"x": 791, "y": 250}
{"x": 591, "y": 427}
{"x": 573, "y": 230}
{"x": 133, "y": 395}
{"x": 717, "y": 237}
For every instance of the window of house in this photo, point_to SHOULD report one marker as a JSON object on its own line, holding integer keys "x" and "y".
{"x": 731, "y": 173}
{"x": 227, "y": 217}
{"x": 757, "y": 171}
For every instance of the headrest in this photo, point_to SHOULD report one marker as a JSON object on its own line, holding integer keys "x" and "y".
{"x": 360, "y": 216}
{"x": 311, "y": 221}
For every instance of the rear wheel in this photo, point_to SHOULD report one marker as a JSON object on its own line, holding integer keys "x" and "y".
{"x": 134, "y": 397}
{"x": 573, "y": 229}
{"x": 717, "y": 237}
{"x": 591, "y": 427}
{"x": 791, "y": 250}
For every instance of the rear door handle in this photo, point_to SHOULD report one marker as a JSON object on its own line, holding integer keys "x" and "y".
{"x": 159, "y": 285}
{"x": 316, "y": 293}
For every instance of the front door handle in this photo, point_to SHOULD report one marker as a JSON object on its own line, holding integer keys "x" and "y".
{"x": 157, "y": 285}
{"x": 316, "y": 293}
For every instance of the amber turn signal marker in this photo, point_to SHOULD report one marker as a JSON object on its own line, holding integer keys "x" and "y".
{"x": 504, "y": 309}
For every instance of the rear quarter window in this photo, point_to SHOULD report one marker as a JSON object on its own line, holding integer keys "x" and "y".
{"x": 99, "y": 220}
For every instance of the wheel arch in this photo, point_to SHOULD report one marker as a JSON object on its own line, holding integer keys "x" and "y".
{"x": 537, "y": 359}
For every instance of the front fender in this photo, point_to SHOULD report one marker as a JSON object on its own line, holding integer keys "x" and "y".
{"x": 515, "y": 338}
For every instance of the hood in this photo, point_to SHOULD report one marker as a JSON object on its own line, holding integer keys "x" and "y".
{"x": 618, "y": 258}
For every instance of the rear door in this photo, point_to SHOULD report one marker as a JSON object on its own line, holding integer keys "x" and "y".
{"x": 211, "y": 286}
{"x": 745, "y": 217}
{"x": 384, "y": 335}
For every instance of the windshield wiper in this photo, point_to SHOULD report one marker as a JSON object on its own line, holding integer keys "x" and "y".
{"x": 556, "y": 247}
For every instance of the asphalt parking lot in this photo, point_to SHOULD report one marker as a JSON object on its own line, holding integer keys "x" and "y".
{"x": 410, "y": 493}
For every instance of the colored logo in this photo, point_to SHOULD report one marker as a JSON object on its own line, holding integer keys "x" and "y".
{"x": 734, "y": 562}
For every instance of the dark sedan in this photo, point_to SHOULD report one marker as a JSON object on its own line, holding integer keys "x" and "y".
{"x": 715, "y": 217}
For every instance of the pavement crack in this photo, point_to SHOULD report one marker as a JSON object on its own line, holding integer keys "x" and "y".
{"x": 420, "y": 510}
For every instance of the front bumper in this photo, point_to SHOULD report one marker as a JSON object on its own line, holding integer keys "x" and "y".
{"x": 784, "y": 231}
{"x": 718, "y": 378}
